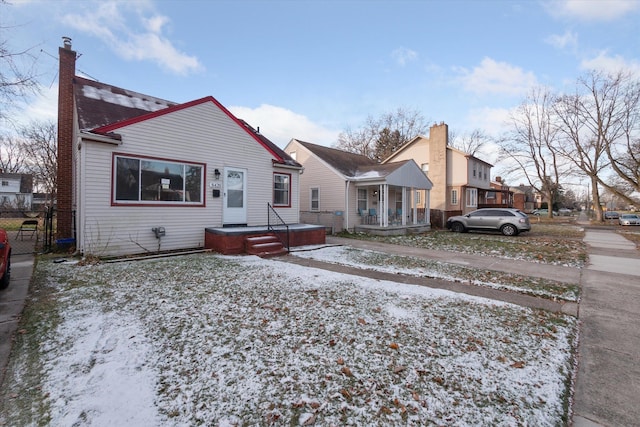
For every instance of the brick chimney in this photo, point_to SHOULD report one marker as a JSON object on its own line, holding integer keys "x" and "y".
{"x": 64, "y": 192}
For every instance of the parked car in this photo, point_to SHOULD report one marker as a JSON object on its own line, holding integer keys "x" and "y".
{"x": 565, "y": 212}
{"x": 508, "y": 221}
{"x": 611, "y": 215}
{"x": 543, "y": 212}
{"x": 5, "y": 259}
{"x": 629, "y": 219}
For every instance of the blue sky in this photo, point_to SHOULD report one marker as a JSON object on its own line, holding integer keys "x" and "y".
{"x": 310, "y": 69}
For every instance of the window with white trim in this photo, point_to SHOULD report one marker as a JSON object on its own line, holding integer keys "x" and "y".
{"x": 362, "y": 199}
{"x": 472, "y": 197}
{"x": 425, "y": 168}
{"x": 142, "y": 180}
{"x": 281, "y": 189}
{"x": 315, "y": 199}
{"x": 454, "y": 197}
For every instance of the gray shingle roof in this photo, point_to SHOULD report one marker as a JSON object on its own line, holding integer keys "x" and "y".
{"x": 100, "y": 104}
{"x": 344, "y": 162}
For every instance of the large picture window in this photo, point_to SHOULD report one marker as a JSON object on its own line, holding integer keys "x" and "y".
{"x": 281, "y": 189}
{"x": 139, "y": 180}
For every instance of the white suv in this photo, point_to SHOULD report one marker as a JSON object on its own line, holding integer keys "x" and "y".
{"x": 508, "y": 221}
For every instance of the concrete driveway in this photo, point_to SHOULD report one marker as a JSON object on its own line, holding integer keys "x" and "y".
{"x": 12, "y": 302}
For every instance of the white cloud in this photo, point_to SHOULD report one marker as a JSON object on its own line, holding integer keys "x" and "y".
{"x": 567, "y": 40}
{"x": 108, "y": 21}
{"x": 592, "y": 10}
{"x": 281, "y": 125}
{"x": 611, "y": 64}
{"x": 492, "y": 77}
{"x": 403, "y": 55}
{"x": 490, "y": 120}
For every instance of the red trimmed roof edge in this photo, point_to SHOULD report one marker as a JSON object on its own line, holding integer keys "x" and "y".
{"x": 110, "y": 128}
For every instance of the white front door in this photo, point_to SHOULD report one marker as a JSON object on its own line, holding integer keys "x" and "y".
{"x": 235, "y": 197}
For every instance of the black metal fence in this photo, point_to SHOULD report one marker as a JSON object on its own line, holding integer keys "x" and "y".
{"x": 28, "y": 231}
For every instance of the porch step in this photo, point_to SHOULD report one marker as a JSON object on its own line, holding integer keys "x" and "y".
{"x": 264, "y": 246}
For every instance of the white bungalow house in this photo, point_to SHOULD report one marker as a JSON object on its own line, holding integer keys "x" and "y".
{"x": 141, "y": 174}
{"x": 344, "y": 190}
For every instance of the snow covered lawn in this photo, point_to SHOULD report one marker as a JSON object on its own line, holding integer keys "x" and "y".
{"x": 224, "y": 341}
{"x": 421, "y": 267}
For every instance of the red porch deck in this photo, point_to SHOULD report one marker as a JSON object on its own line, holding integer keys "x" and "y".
{"x": 231, "y": 240}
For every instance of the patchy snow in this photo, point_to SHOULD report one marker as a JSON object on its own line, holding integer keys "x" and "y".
{"x": 225, "y": 341}
{"x": 368, "y": 175}
{"x": 383, "y": 262}
{"x": 148, "y": 104}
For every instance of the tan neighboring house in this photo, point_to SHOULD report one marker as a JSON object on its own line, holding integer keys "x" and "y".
{"x": 343, "y": 190}
{"x": 461, "y": 182}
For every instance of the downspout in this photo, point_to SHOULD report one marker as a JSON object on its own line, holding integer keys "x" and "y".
{"x": 346, "y": 205}
{"x": 82, "y": 200}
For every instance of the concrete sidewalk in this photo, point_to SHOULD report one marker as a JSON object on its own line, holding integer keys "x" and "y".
{"x": 607, "y": 389}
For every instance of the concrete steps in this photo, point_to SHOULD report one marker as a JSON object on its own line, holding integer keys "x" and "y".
{"x": 265, "y": 246}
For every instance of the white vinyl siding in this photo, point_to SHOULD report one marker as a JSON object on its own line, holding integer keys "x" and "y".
{"x": 202, "y": 133}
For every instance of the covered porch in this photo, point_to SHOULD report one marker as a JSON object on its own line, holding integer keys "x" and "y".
{"x": 392, "y": 199}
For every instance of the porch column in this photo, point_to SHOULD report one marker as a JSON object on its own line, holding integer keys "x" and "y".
{"x": 427, "y": 212}
{"x": 385, "y": 205}
{"x": 414, "y": 205}
{"x": 404, "y": 206}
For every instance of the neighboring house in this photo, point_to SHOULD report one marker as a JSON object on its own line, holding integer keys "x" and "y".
{"x": 344, "y": 190}
{"x": 16, "y": 191}
{"x": 499, "y": 196}
{"x": 461, "y": 181}
{"x": 42, "y": 201}
{"x": 141, "y": 174}
{"x": 524, "y": 198}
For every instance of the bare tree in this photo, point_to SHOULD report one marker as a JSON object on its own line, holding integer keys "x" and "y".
{"x": 18, "y": 78}
{"x": 12, "y": 158}
{"x": 41, "y": 154}
{"x": 624, "y": 152}
{"x": 381, "y": 137}
{"x": 591, "y": 121}
{"x": 470, "y": 143}
{"x": 530, "y": 144}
